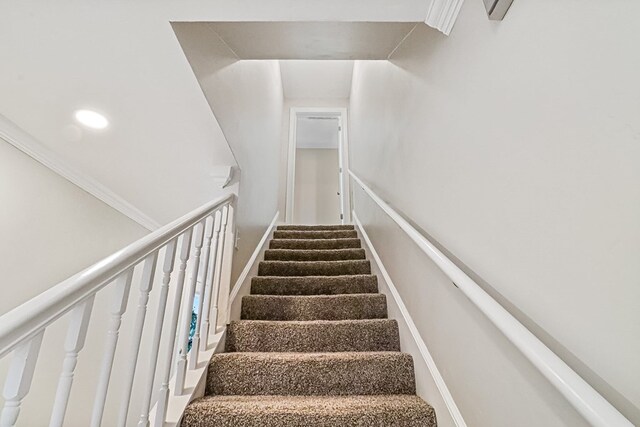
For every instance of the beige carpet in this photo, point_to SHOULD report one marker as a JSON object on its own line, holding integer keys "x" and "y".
{"x": 314, "y": 346}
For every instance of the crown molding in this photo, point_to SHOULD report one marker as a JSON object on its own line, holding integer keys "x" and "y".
{"x": 29, "y": 145}
{"x": 443, "y": 14}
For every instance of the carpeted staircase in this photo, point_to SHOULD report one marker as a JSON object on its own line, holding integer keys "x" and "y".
{"x": 314, "y": 346}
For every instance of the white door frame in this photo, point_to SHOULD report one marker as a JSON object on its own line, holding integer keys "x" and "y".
{"x": 343, "y": 158}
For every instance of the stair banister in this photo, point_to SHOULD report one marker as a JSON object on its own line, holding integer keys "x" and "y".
{"x": 201, "y": 289}
{"x": 187, "y": 313}
{"x": 76, "y": 335}
{"x": 595, "y": 409}
{"x": 224, "y": 218}
{"x": 211, "y": 269}
{"x": 22, "y": 329}
{"x": 163, "y": 394}
{"x": 167, "y": 269}
{"x": 146, "y": 284}
{"x": 118, "y": 307}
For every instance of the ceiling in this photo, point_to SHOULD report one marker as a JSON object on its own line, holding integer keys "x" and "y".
{"x": 313, "y": 40}
{"x": 124, "y": 60}
{"x": 317, "y": 131}
{"x": 163, "y": 142}
{"x": 316, "y": 79}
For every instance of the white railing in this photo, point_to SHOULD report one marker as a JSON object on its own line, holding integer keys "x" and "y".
{"x": 22, "y": 329}
{"x": 595, "y": 409}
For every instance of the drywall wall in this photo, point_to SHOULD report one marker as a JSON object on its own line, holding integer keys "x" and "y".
{"x": 515, "y": 146}
{"x": 316, "y": 79}
{"x": 317, "y": 185}
{"x": 50, "y": 230}
{"x": 246, "y": 98}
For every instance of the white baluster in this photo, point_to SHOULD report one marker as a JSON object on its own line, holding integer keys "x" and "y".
{"x": 218, "y": 279}
{"x": 118, "y": 307}
{"x": 146, "y": 284}
{"x": 163, "y": 394}
{"x": 181, "y": 366}
{"x": 229, "y": 251}
{"x": 211, "y": 269}
{"x": 19, "y": 379}
{"x": 202, "y": 278}
{"x": 76, "y": 334}
{"x": 167, "y": 269}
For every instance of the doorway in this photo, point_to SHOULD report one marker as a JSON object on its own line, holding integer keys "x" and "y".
{"x": 316, "y": 178}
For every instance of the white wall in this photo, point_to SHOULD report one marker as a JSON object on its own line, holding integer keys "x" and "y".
{"x": 514, "y": 145}
{"x": 316, "y": 79}
{"x": 246, "y": 98}
{"x": 316, "y": 186}
{"x": 51, "y": 230}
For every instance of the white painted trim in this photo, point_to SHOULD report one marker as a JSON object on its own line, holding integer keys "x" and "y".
{"x": 252, "y": 260}
{"x": 442, "y": 14}
{"x": 450, "y": 403}
{"x": 595, "y": 409}
{"x": 343, "y": 152}
{"x": 194, "y": 384}
{"x": 25, "y": 142}
{"x": 291, "y": 166}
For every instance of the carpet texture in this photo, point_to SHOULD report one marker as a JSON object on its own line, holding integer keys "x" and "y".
{"x": 314, "y": 307}
{"x": 314, "y": 268}
{"x": 315, "y": 285}
{"x": 313, "y": 336}
{"x": 315, "y": 234}
{"x": 313, "y": 255}
{"x": 310, "y": 411}
{"x": 314, "y": 346}
{"x": 317, "y": 374}
{"x": 314, "y": 243}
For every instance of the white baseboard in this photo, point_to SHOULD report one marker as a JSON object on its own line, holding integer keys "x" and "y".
{"x": 29, "y": 145}
{"x": 251, "y": 263}
{"x": 452, "y": 408}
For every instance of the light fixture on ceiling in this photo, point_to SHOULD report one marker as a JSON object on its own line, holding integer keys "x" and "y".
{"x": 91, "y": 119}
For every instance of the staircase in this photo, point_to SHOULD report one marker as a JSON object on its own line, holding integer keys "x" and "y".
{"x": 314, "y": 346}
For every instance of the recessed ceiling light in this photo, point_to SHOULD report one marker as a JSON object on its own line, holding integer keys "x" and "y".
{"x": 91, "y": 119}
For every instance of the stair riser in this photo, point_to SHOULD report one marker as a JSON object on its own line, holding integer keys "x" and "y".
{"x": 314, "y": 285}
{"x": 308, "y": 337}
{"x": 337, "y": 234}
{"x": 314, "y": 227}
{"x": 320, "y": 374}
{"x": 313, "y": 255}
{"x": 340, "y": 307}
{"x": 298, "y": 411}
{"x": 314, "y": 243}
{"x": 313, "y": 268}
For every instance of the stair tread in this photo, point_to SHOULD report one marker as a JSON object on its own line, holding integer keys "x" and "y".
{"x": 315, "y": 243}
{"x": 314, "y": 268}
{"x": 314, "y": 234}
{"x": 299, "y": 411}
{"x": 314, "y": 254}
{"x": 313, "y": 336}
{"x": 314, "y": 307}
{"x": 338, "y": 373}
{"x": 314, "y": 285}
